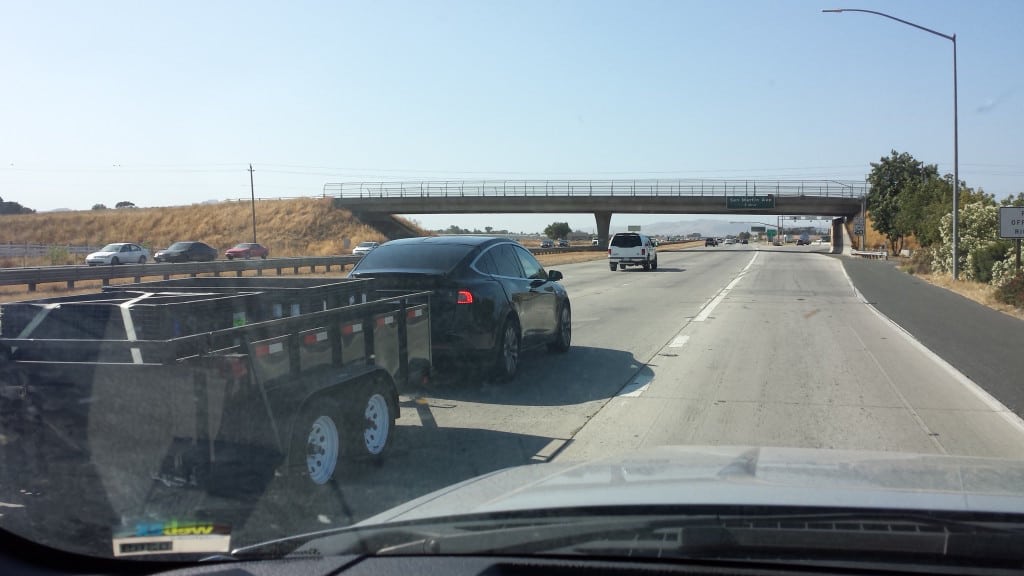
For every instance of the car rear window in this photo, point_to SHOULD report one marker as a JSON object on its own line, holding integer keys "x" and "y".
{"x": 626, "y": 241}
{"x": 418, "y": 256}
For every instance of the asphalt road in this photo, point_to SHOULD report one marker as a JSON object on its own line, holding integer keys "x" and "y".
{"x": 726, "y": 345}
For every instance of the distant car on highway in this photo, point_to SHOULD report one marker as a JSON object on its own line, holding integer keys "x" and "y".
{"x": 803, "y": 240}
{"x": 247, "y": 250}
{"x": 744, "y": 241}
{"x": 547, "y": 244}
{"x": 595, "y": 242}
{"x": 365, "y": 248}
{"x": 730, "y": 241}
{"x": 118, "y": 253}
{"x": 187, "y": 251}
{"x": 563, "y": 243}
{"x": 491, "y": 298}
{"x": 710, "y": 242}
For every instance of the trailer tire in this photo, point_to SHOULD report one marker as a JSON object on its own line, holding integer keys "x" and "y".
{"x": 371, "y": 421}
{"x": 317, "y": 441}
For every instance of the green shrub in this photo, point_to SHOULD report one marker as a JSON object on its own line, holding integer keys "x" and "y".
{"x": 1012, "y": 291}
{"x": 57, "y": 255}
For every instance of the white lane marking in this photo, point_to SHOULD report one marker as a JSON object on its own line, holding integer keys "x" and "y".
{"x": 679, "y": 341}
{"x": 707, "y": 310}
{"x": 966, "y": 382}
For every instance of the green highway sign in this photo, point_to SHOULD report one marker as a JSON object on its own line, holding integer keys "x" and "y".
{"x": 759, "y": 229}
{"x": 770, "y": 233}
{"x": 750, "y": 202}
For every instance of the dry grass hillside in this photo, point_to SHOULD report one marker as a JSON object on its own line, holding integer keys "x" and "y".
{"x": 299, "y": 227}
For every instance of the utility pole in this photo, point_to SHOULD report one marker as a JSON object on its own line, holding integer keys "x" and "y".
{"x": 252, "y": 191}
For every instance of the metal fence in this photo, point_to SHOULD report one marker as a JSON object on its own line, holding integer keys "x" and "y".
{"x": 702, "y": 187}
{"x": 26, "y": 250}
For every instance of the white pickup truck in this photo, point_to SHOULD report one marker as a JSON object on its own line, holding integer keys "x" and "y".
{"x": 632, "y": 249}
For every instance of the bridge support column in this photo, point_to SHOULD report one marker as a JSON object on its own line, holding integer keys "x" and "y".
{"x": 604, "y": 222}
{"x": 838, "y": 232}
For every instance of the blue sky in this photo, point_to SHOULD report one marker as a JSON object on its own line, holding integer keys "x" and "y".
{"x": 165, "y": 103}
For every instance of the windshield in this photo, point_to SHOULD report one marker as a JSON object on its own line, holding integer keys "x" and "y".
{"x": 588, "y": 272}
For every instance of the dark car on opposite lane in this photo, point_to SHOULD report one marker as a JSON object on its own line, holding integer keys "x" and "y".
{"x": 710, "y": 242}
{"x": 247, "y": 250}
{"x": 491, "y": 298}
{"x": 187, "y": 251}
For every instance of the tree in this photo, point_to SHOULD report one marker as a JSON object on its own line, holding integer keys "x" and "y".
{"x": 557, "y": 230}
{"x": 744, "y": 236}
{"x": 1017, "y": 200}
{"x": 124, "y": 204}
{"x": 13, "y": 208}
{"x": 99, "y": 206}
{"x": 890, "y": 178}
{"x": 488, "y": 229}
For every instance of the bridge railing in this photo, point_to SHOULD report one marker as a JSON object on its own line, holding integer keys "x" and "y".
{"x": 702, "y": 187}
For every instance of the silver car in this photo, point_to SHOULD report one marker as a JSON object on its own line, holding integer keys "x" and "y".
{"x": 364, "y": 248}
{"x": 118, "y": 253}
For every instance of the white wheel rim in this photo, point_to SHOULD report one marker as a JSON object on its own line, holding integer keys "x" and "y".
{"x": 378, "y": 424}
{"x": 322, "y": 450}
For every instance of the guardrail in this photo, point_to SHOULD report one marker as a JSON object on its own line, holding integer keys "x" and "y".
{"x": 71, "y": 274}
{"x": 34, "y": 276}
{"x": 461, "y": 188}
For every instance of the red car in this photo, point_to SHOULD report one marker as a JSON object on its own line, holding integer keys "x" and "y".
{"x": 247, "y": 250}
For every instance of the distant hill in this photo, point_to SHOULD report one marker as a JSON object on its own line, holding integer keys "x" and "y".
{"x": 299, "y": 227}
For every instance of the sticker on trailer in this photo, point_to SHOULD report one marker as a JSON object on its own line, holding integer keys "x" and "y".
{"x": 296, "y": 310}
{"x": 173, "y": 538}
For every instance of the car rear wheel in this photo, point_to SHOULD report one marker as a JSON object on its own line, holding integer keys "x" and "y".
{"x": 114, "y": 261}
{"x": 142, "y": 259}
{"x": 612, "y": 266}
{"x": 506, "y": 363}
{"x": 654, "y": 264}
{"x": 563, "y": 333}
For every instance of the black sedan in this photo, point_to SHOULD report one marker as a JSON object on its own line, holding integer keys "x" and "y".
{"x": 189, "y": 251}
{"x": 491, "y": 298}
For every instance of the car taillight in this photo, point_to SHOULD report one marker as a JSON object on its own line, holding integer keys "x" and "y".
{"x": 643, "y": 252}
{"x": 464, "y": 297}
{"x": 609, "y": 251}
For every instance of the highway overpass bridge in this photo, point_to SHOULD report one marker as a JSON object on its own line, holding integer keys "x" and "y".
{"x": 377, "y": 201}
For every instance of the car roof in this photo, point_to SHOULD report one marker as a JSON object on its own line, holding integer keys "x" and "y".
{"x": 454, "y": 239}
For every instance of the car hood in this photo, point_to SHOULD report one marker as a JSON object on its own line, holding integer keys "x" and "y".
{"x": 101, "y": 254}
{"x": 672, "y": 475}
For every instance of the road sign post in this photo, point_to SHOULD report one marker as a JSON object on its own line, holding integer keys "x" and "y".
{"x": 1011, "y": 225}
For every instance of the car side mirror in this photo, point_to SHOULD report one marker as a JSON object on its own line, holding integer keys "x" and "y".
{"x": 554, "y": 275}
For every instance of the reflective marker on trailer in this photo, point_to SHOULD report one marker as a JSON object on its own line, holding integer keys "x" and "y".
{"x": 385, "y": 320}
{"x": 313, "y": 338}
{"x": 267, "y": 349}
{"x": 417, "y": 313}
{"x": 349, "y": 329}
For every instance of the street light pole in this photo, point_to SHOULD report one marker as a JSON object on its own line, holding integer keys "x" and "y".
{"x": 252, "y": 192}
{"x": 956, "y": 144}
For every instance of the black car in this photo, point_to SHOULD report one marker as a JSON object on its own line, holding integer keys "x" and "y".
{"x": 491, "y": 298}
{"x": 710, "y": 242}
{"x": 189, "y": 251}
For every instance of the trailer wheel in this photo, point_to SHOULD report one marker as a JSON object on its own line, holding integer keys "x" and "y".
{"x": 317, "y": 443}
{"x": 374, "y": 424}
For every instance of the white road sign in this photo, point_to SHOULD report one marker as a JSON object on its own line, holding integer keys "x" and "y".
{"x": 1011, "y": 222}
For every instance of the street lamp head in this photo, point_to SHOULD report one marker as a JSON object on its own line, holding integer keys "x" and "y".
{"x": 834, "y": 10}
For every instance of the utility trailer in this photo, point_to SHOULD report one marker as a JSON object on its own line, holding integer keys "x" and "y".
{"x": 218, "y": 383}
